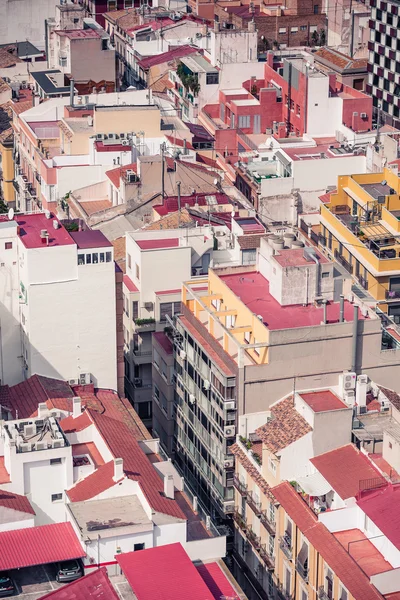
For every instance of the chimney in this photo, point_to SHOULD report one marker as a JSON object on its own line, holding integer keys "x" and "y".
{"x": 76, "y": 407}
{"x": 118, "y": 469}
{"x": 169, "y": 486}
{"x": 71, "y": 92}
{"x": 251, "y": 8}
{"x": 361, "y": 390}
{"x": 42, "y": 410}
{"x": 341, "y": 317}
{"x": 252, "y": 25}
{"x": 216, "y": 27}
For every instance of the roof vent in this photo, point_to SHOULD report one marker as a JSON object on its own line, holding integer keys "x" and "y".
{"x": 309, "y": 254}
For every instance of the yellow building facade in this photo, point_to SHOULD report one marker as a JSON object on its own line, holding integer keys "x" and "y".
{"x": 7, "y": 167}
{"x": 360, "y": 228}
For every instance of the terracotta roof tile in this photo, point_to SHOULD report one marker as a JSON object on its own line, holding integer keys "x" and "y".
{"x": 286, "y": 426}
{"x": 95, "y": 206}
{"x": 248, "y": 242}
{"x": 120, "y": 252}
{"x": 136, "y": 465}
{"x": 166, "y": 57}
{"x": 392, "y": 396}
{"x": 251, "y": 470}
{"x": 346, "y": 482}
{"x": 344, "y": 62}
{"x": 8, "y": 59}
{"x": 71, "y": 425}
{"x": 114, "y": 175}
{"x": 171, "y": 221}
{"x": 95, "y": 483}
{"x": 15, "y": 502}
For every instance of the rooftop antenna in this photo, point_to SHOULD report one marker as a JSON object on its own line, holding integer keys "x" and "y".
{"x": 10, "y": 214}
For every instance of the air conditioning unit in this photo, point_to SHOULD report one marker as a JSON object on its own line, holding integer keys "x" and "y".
{"x": 206, "y": 384}
{"x": 25, "y": 447}
{"x": 149, "y": 305}
{"x": 192, "y": 398}
{"x": 349, "y": 397}
{"x": 29, "y": 430}
{"x": 348, "y": 381}
{"x": 182, "y": 354}
{"x": 229, "y": 463}
{"x": 137, "y": 382}
{"x": 229, "y": 431}
{"x": 122, "y": 136}
{"x": 41, "y": 445}
{"x": 99, "y": 136}
{"x": 362, "y": 379}
{"x": 84, "y": 378}
{"x": 73, "y": 381}
{"x": 58, "y": 443}
{"x": 230, "y": 405}
{"x": 112, "y": 136}
{"x": 229, "y": 507}
{"x": 363, "y": 115}
{"x": 125, "y": 142}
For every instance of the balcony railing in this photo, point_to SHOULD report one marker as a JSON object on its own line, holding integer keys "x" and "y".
{"x": 345, "y": 263}
{"x": 269, "y": 525}
{"x": 267, "y": 558}
{"x": 285, "y": 544}
{"x": 254, "y": 540}
{"x": 240, "y": 520}
{"x": 322, "y": 594}
{"x": 392, "y": 294}
{"x": 283, "y": 594}
{"x": 240, "y": 486}
{"x": 302, "y": 570}
{"x": 253, "y": 503}
{"x": 363, "y": 282}
{"x": 142, "y": 352}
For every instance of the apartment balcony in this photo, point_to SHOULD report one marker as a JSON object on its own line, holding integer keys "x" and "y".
{"x": 253, "y": 503}
{"x": 283, "y": 594}
{"x": 254, "y": 540}
{"x": 285, "y": 544}
{"x": 141, "y": 357}
{"x": 323, "y": 595}
{"x": 392, "y": 294}
{"x": 241, "y": 487}
{"x": 240, "y": 520}
{"x": 363, "y": 282}
{"x": 268, "y": 560}
{"x": 145, "y": 325}
{"x": 345, "y": 263}
{"x": 269, "y": 525}
{"x": 302, "y": 570}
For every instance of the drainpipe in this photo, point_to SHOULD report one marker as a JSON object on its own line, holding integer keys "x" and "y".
{"x": 315, "y": 259}
{"x": 71, "y": 92}
{"x": 341, "y": 318}
{"x": 324, "y": 306}
{"x": 354, "y": 346}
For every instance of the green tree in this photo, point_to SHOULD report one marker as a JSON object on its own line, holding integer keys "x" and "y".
{"x": 322, "y": 38}
{"x": 315, "y": 37}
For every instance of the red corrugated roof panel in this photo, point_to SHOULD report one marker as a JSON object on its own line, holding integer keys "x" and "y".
{"x": 158, "y": 244}
{"x": 382, "y": 507}
{"x": 158, "y": 59}
{"x": 38, "y": 546}
{"x": 95, "y": 483}
{"x": 95, "y": 586}
{"x": 163, "y": 573}
{"x": 129, "y": 284}
{"x": 216, "y": 581}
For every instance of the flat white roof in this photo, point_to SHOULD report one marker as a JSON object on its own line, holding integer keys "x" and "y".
{"x": 248, "y": 102}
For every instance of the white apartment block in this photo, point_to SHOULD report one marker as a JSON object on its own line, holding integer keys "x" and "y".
{"x": 58, "y": 314}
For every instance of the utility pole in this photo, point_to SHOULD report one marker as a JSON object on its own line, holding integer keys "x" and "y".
{"x": 178, "y": 185}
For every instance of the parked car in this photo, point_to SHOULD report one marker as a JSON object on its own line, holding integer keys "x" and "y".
{"x": 7, "y": 585}
{"x": 68, "y": 571}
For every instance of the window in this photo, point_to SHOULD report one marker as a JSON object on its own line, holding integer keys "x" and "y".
{"x": 244, "y": 121}
{"x": 316, "y": 9}
{"x": 137, "y": 271}
{"x": 56, "y": 497}
{"x": 101, "y": 257}
{"x": 144, "y": 410}
{"x": 135, "y": 310}
{"x": 8, "y": 245}
{"x": 137, "y": 547}
{"x": 88, "y": 259}
{"x": 212, "y": 78}
{"x": 108, "y": 256}
{"x": 271, "y": 464}
{"x": 129, "y": 261}
{"x": 298, "y": 110}
{"x": 325, "y": 274}
{"x": 294, "y": 29}
{"x": 112, "y": 5}
{"x": 95, "y": 258}
{"x": 313, "y": 28}
{"x": 81, "y": 259}
{"x": 247, "y": 337}
{"x": 343, "y": 595}
{"x": 282, "y": 29}
{"x": 303, "y": 27}
{"x": 390, "y": 445}
{"x": 55, "y": 461}
{"x": 169, "y": 308}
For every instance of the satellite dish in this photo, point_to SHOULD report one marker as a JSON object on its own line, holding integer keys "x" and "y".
{"x": 47, "y": 214}
{"x": 10, "y": 214}
{"x": 216, "y": 181}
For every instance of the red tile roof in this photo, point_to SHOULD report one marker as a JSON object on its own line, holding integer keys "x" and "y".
{"x": 30, "y": 227}
{"x": 4, "y": 474}
{"x": 170, "y": 203}
{"x": 94, "y": 586}
{"x": 23, "y": 398}
{"x": 326, "y": 198}
{"x": 342, "y": 61}
{"x": 158, "y": 244}
{"x": 286, "y": 427}
{"x": 323, "y": 400}
{"x": 15, "y": 502}
{"x": 90, "y": 238}
{"x": 71, "y": 425}
{"x": 382, "y": 507}
{"x": 94, "y": 484}
{"x": 324, "y": 542}
{"x": 346, "y": 482}
{"x": 294, "y": 257}
{"x": 363, "y": 551}
{"x": 135, "y": 463}
{"x": 251, "y": 470}
{"x": 177, "y": 577}
{"x": 89, "y": 448}
{"x": 114, "y": 175}
{"x": 158, "y": 59}
{"x": 129, "y": 284}
{"x": 38, "y": 545}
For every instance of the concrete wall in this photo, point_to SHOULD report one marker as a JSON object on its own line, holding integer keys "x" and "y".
{"x": 25, "y": 20}
{"x": 89, "y": 61}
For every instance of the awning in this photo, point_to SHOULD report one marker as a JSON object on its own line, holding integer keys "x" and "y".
{"x": 354, "y": 196}
{"x": 314, "y": 485}
{"x": 38, "y": 546}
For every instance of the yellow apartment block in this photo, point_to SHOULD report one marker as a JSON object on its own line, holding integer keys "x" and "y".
{"x": 360, "y": 227}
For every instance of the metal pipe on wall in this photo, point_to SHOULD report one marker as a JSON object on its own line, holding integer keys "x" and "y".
{"x": 355, "y": 341}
